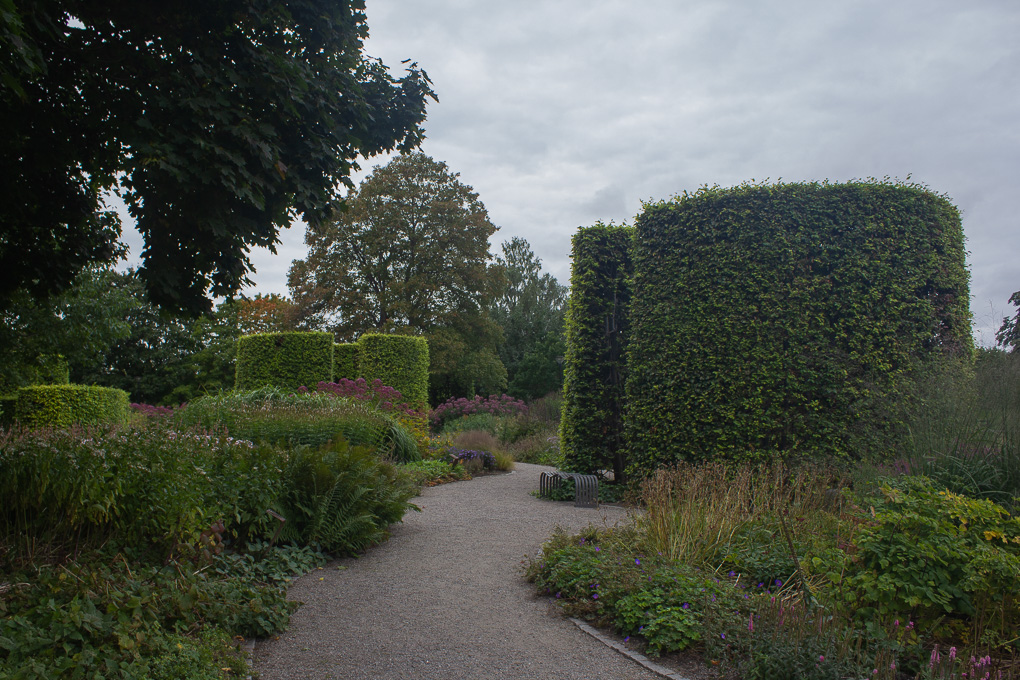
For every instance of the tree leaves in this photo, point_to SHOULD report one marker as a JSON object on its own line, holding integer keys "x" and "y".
{"x": 220, "y": 122}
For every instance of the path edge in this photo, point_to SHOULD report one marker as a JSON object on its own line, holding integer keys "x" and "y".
{"x": 630, "y": 654}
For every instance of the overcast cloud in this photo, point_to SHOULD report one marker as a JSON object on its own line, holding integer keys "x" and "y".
{"x": 563, "y": 112}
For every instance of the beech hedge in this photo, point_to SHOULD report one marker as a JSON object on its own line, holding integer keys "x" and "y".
{"x": 399, "y": 361}
{"x": 62, "y": 406}
{"x": 786, "y": 318}
{"x": 288, "y": 360}
{"x": 594, "y": 371}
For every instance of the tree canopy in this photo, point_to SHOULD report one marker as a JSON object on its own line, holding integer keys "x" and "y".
{"x": 1008, "y": 335}
{"x": 529, "y": 306}
{"x": 218, "y": 123}
{"x": 409, "y": 253}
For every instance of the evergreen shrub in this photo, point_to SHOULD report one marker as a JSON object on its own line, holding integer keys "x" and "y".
{"x": 788, "y": 318}
{"x": 62, "y": 406}
{"x": 345, "y": 361}
{"x": 288, "y": 360}
{"x": 597, "y": 325}
{"x": 399, "y": 361}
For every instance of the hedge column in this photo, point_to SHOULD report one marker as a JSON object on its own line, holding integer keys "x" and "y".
{"x": 400, "y": 362}
{"x": 287, "y": 360}
{"x": 779, "y": 319}
{"x": 597, "y": 328}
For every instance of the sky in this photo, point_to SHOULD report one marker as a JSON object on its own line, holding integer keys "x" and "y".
{"x": 561, "y": 113}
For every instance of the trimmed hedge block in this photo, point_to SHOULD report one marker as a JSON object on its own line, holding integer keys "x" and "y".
{"x": 288, "y": 360}
{"x": 788, "y": 319}
{"x": 345, "y": 361}
{"x": 66, "y": 405}
{"x": 594, "y": 371}
{"x": 400, "y": 362}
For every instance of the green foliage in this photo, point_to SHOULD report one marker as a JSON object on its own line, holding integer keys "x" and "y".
{"x": 540, "y": 371}
{"x": 212, "y": 155}
{"x": 529, "y": 307}
{"x": 604, "y": 575}
{"x": 598, "y": 323}
{"x": 345, "y": 361}
{"x": 399, "y": 361}
{"x": 1008, "y": 335}
{"x": 103, "y": 617}
{"x": 153, "y": 487}
{"x": 66, "y": 405}
{"x": 935, "y": 553}
{"x": 964, "y": 428}
{"x": 300, "y": 419}
{"x": 341, "y": 498}
{"x": 288, "y": 360}
{"x": 432, "y": 472}
{"x": 40, "y": 339}
{"x": 788, "y": 318}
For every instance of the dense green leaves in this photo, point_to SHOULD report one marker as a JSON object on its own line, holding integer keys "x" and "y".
{"x": 220, "y": 122}
{"x": 598, "y": 324}
{"x": 408, "y": 255}
{"x": 529, "y": 307}
{"x": 783, "y": 318}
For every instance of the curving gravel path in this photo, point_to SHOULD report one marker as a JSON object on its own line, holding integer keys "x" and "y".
{"x": 444, "y": 597}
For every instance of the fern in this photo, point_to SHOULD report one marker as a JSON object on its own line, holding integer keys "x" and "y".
{"x": 341, "y": 498}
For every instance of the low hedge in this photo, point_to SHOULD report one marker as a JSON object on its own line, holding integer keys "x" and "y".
{"x": 66, "y": 405}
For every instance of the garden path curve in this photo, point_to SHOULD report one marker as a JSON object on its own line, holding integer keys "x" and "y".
{"x": 445, "y": 598}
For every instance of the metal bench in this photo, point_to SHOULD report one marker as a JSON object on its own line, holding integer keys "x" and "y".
{"x": 586, "y": 487}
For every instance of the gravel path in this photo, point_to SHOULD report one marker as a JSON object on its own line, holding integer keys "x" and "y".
{"x": 445, "y": 598}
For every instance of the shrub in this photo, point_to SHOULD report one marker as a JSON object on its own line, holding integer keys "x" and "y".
{"x": 788, "y": 318}
{"x": 400, "y": 361}
{"x": 934, "y": 554}
{"x": 597, "y": 332}
{"x": 152, "y": 487}
{"x": 432, "y": 472}
{"x": 286, "y": 360}
{"x": 341, "y": 498}
{"x": 67, "y": 405}
{"x": 311, "y": 419}
{"x": 103, "y": 617}
{"x": 452, "y": 408}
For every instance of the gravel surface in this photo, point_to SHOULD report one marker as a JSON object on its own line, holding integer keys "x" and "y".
{"x": 444, "y": 597}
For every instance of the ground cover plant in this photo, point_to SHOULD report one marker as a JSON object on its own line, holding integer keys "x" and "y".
{"x": 139, "y": 552}
{"x": 771, "y": 575}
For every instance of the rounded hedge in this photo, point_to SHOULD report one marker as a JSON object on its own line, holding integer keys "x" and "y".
{"x": 788, "y": 318}
{"x": 62, "y": 406}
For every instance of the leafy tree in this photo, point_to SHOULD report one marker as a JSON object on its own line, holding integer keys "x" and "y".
{"x": 540, "y": 371}
{"x": 217, "y": 122}
{"x": 408, "y": 254}
{"x": 529, "y": 307}
{"x": 1008, "y": 334}
{"x": 75, "y": 328}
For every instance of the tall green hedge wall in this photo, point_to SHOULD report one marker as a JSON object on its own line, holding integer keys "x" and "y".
{"x": 66, "y": 405}
{"x": 594, "y": 372}
{"x": 345, "y": 361}
{"x": 400, "y": 361}
{"x": 287, "y": 360}
{"x": 787, "y": 318}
